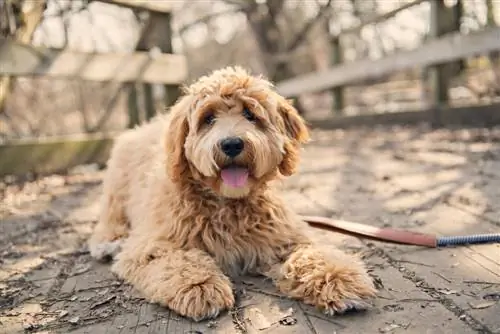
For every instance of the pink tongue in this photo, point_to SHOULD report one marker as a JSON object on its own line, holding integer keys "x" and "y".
{"x": 236, "y": 177}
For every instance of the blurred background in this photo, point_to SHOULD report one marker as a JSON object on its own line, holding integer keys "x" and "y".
{"x": 281, "y": 39}
{"x": 403, "y": 100}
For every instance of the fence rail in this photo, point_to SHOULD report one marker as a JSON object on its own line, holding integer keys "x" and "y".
{"x": 443, "y": 50}
{"x": 440, "y": 60}
{"x": 19, "y": 59}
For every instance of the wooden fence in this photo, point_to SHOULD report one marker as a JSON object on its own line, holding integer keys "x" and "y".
{"x": 447, "y": 47}
{"x": 440, "y": 55}
{"x": 141, "y": 68}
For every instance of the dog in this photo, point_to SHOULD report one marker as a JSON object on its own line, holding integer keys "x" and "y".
{"x": 189, "y": 203}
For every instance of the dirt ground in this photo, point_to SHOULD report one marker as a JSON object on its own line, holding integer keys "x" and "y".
{"x": 438, "y": 181}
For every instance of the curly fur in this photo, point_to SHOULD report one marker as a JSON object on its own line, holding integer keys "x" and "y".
{"x": 182, "y": 232}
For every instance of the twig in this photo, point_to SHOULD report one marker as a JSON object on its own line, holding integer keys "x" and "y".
{"x": 416, "y": 263}
{"x": 482, "y": 282}
{"x": 238, "y": 322}
{"x": 147, "y": 323}
{"x": 442, "y": 276}
{"x": 378, "y": 18}
{"x": 208, "y": 18}
{"x": 322, "y": 11}
{"x": 267, "y": 293}
{"x": 102, "y": 302}
{"x": 321, "y": 317}
{"x": 409, "y": 300}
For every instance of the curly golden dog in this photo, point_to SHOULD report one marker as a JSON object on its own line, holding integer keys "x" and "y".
{"x": 188, "y": 202}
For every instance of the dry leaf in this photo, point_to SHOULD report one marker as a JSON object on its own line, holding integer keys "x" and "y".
{"x": 447, "y": 292}
{"x": 258, "y": 320}
{"x": 63, "y": 313}
{"x": 479, "y": 306}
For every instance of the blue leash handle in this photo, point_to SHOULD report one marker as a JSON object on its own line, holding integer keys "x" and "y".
{"x": 467, "y": 239}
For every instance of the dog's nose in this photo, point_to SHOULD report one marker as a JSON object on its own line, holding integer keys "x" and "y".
{"x": 232, "y": 146}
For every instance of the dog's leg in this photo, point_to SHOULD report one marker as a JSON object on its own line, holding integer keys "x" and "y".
{"x": 188, "y": 282}
{"x": 113, "y": 225}
{"x": 110, "y": 230}
{"x": 326, "y": 278}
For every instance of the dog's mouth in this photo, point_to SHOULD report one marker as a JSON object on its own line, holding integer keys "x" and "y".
{"x": 234, "y": 176}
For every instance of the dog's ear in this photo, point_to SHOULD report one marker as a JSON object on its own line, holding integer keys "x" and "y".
{"x": 175, "y": 139}
{"x": 297, "y": 133}
{"x": 295, "y": 126}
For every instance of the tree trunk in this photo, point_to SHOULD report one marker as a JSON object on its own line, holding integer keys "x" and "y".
{"x": 31, "y": 15}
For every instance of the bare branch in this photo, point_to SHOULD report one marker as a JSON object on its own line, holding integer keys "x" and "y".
{"x": 322, "y": 12}
{"x": 241, "y": 3}
{"x": 378, "y": 18}
{"x": 152, "y": 6}
{"x": 208, "y": 18}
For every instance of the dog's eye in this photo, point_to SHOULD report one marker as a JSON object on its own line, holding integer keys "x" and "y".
{"x": 249, "y": 115}
{"x": 209, "y": 119}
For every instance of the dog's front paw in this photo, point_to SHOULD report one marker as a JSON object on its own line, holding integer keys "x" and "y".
{"x": 105, "y": 251}
{"x": 331, "y": 280}
{"x": 204, "y": 300}
{"x": 339, "y": 290}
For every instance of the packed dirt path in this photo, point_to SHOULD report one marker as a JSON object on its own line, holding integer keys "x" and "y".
{"x": 439, "y": 181}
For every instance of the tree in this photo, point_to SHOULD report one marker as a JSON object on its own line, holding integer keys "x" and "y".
{"x": 19, "y": 19}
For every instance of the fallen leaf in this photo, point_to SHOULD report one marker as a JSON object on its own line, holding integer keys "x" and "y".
{"x": 212, "y": 324}
{"x": 80, "y": 269}
{"x": 479, "y": 306}
{"x": 258, "y": 320}
{"x": 288, "y": 321}
{"x": 492, "y": 296}
{"x": 388, "y": 329}
{"x": 29, "y": 326}
{"x": 63, "y": 313}
{"x": 447, "y": 292}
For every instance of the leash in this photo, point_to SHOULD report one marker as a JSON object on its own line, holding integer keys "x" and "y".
{"x": 398, "y": 236}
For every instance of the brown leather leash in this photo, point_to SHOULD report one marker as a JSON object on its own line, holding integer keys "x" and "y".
{"x": 372, "y": 232}
{"x": 398, "y": 236}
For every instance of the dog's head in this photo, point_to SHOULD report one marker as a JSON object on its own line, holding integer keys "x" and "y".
{"x": 233, "y": 133}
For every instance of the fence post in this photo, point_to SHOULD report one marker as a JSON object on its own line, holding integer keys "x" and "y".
{"x": 338, "y": 92}
{"x": 171, "y": 91}
{"x": 157, "y": 34}
{"x": 438, "y": 81}
{"x": 132, "y": 105}
{"x": 443, "y": 20}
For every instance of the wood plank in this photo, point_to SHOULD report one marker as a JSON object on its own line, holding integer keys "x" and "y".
{"x": 25, "y": 60}
{"x": 445, "y": 49}
{"x": 150, "y": 5}
{"x": 423, "y": 196}
{"x": 53, "y": 154}
{"x": 478, "y": 115}
{"x": 401, "y": 307}
{"x": 380, "y": 182}
{"x": 345, "y": 189}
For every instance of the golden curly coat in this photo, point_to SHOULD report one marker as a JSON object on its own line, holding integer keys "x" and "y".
{"x": 188, "y": 202}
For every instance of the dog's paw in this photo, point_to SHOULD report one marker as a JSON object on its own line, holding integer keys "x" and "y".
{"x": 340, "y": 292}
{"x": 205, "y": 300}
{"x": 105, "y": 251}
{"x": 347, "y": 306}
